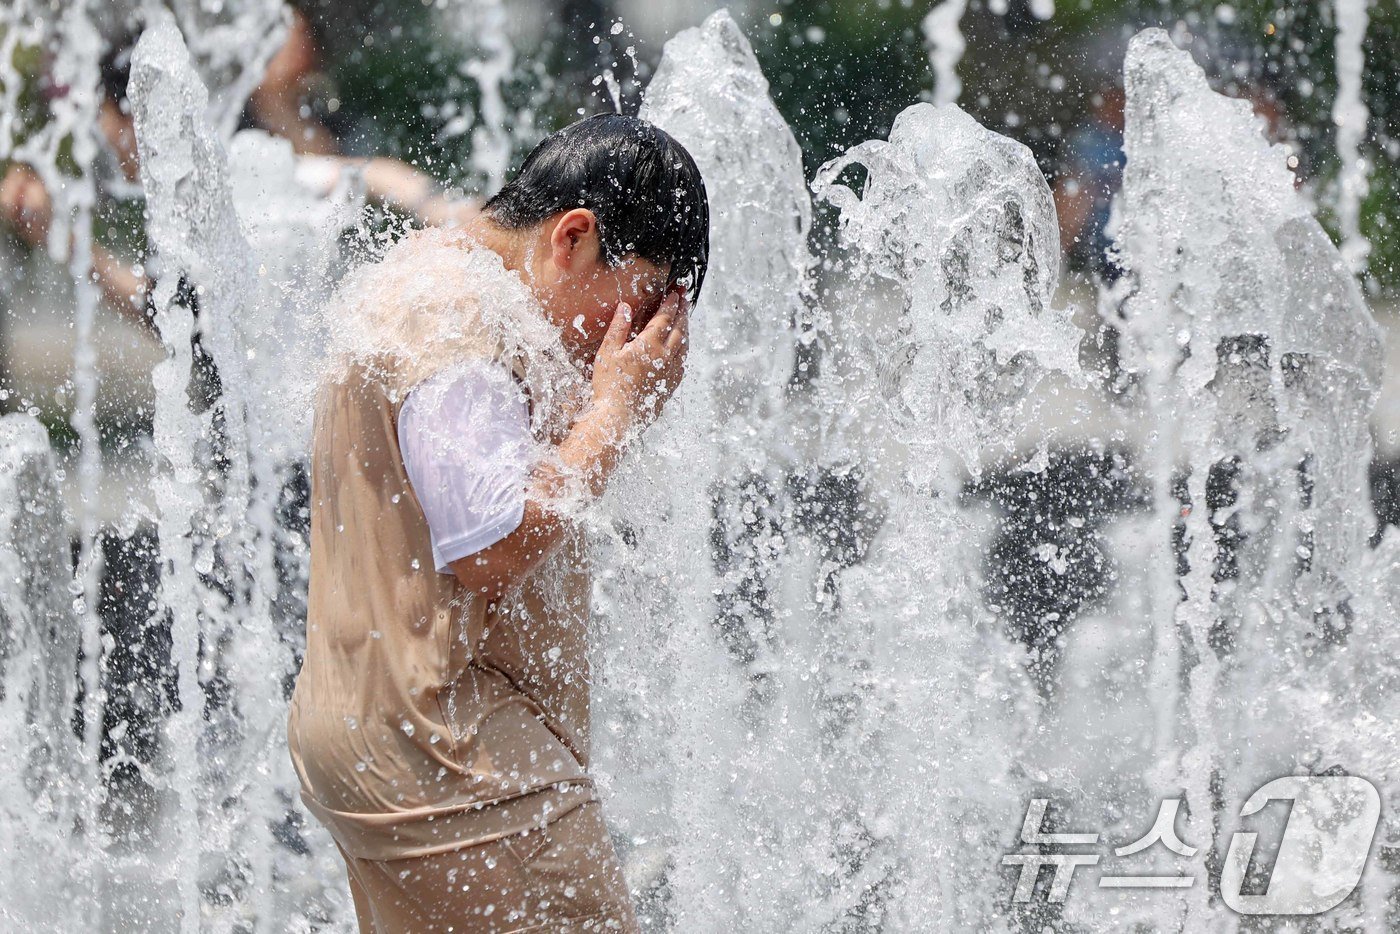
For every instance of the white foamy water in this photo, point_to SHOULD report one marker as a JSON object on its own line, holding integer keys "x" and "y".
{"x": 688, "y": 735}
{"x": 1256, "y": 361}
{"x": 1350, "y": 115}
{"x": 946, "y": 45}
{"x": 955, "y": 225}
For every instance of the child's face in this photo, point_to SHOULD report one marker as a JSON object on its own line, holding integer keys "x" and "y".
{"x": 580, "y": 292}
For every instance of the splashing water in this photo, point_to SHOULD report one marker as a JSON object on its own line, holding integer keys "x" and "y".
{"x": 808, "y": 713}
{"x": 962, "y": 220}
{"x": 1257, "y": 363}
{"x": 489, "y": 60}
{"x": 73, "y": 117}
{"x": 1350, "y": 116}
{"x": 956, "y": 224}
{"x": 230, "y": 44}
{"x": 726, "y": 444}
{"x": 491, "y": 142}
{"x": 226, "y": 783}
{"x": 48, "y": 782}
{"x": 946, "y": 46}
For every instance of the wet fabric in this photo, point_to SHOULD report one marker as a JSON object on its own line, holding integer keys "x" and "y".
{"x": 564, "y": 877}
{"x": 415, "y": 705}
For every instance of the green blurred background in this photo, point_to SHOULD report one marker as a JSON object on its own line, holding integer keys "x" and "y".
{"x": 841, "y": 71}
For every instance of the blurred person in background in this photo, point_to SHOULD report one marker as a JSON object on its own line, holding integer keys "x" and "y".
{"x": 27, "y": 208}
{"x": 1091, "y": 172}
{"x": 280, "y": 103}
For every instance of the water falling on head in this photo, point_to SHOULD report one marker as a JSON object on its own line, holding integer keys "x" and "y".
{"x": 630, "y": 197}
{"x": 608, "y": 211}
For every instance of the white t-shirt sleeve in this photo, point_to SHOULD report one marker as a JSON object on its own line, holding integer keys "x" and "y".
{"x": 466, "y": 444}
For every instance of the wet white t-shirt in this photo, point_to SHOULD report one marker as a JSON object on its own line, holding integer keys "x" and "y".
{"x": 466, "y": 444}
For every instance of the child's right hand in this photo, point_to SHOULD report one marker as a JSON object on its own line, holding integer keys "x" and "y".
{"x": 635, "y": 377}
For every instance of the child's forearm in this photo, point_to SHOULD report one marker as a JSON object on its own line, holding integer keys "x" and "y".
{"x": 587, "y": 457}
{"x": 123, "y": 289}
{"x": 400, "y": 186}
{"x": 630, "y": 379}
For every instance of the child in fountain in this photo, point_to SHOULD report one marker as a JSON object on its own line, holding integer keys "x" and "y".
{"x": 482, "y": 388}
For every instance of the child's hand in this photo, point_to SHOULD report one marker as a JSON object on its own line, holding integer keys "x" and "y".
{"x": 635, "y": 377}
{"x": 25, "y": 205}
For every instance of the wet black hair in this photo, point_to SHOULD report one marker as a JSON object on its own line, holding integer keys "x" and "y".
{"x": 642, "y": 186}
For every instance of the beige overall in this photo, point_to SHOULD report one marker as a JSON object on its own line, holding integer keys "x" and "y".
{"x": 443, "y": 741}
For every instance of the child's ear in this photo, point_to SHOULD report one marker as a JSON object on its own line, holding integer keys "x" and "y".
{"x": 573, "y": 243}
